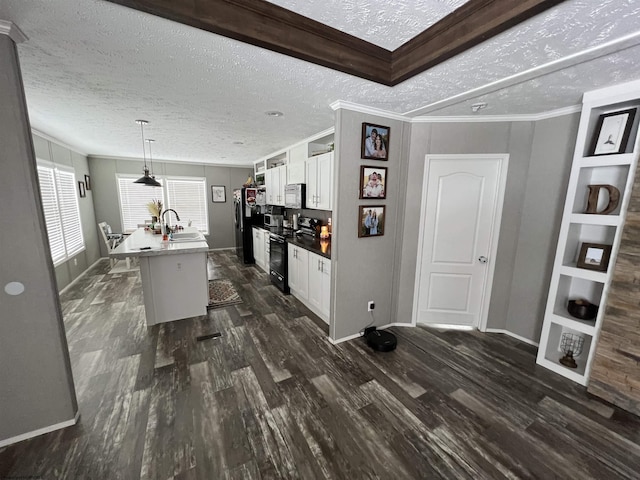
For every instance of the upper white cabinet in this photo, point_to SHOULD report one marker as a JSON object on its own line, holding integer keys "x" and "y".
{"x": 598, "y": 194}
{"x": 295, "y": 172}
{"x": 275, "y": 181}
{"x": 319, "y": 180}
{"x": 311, "y": 157}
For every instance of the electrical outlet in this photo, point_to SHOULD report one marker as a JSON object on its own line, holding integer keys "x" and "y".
{"x": 370, "y": 306}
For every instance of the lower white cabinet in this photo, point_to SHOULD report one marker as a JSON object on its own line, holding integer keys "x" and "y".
{"x": 261, "y": 248}
{"x": 310, "y": 280}
{"x": 320, "y": 283}
{"x": 298, "y": 274}
{"x": 267, "y": 250}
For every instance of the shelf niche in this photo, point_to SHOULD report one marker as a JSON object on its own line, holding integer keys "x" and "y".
{"x": 573, "y": 288}
{"x": 615, "y": 175}
{"x": 580, "y": 233}
{"x": 554, "y": 353}
{"x": 593, "y": 123}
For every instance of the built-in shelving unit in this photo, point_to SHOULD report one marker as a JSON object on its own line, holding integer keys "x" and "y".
{"x": 291, "y": 165}
{"x": 570, "y": 281}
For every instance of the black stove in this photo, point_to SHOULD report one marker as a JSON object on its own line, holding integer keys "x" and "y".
{"x": 278, "y": 265}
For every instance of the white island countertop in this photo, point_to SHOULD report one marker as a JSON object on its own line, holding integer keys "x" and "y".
{"x": 135, "y": 245}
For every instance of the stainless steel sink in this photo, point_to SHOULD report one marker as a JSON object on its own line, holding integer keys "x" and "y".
{"x": 187, "y": 237}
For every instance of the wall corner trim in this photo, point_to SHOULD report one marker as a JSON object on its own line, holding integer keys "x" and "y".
{"x": 511, "y": 334}
{"x": 13, "y": 31}
{"x": 356, "y": 107}
{"x": 40, "y": 431}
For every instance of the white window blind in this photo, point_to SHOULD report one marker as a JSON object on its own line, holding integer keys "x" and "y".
{"x": 134, "y": 198}
{"x": 188, "y": 197}
{"x": 69, "y": 212}
{"x": 61, "y": 212}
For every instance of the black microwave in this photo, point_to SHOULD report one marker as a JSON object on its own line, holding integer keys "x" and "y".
{"x": 295, "y": 195}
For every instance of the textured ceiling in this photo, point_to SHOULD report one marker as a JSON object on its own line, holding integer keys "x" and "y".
{"x": 386, "y": 23}
{"x": 91, "y": 68}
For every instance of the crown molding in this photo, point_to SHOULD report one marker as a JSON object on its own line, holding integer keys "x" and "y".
{"x": 589, "y": 54}
{"x": 356, "y": 107}
{"x": 526, "y": 117}
{"x": 13, "y": 31}
{"x": 177, "y": 162}
{"x": 49, "y": 138}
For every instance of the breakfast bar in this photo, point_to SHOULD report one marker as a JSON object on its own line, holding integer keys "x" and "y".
{"x": 173, "y": 272}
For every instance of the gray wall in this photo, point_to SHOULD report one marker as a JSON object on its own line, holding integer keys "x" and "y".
{"x": 68, "y": 271}
{"x": 36, "y": 385}
{"x": 105, "y": 192}
{"x": 540, "y": 159}
{"x": 547, "y": 180}
{"x": 365, "y": 268}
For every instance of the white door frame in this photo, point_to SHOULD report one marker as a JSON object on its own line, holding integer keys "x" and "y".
{"x": 503, "y": 158}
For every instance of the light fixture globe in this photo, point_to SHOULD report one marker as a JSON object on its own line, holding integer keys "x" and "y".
{"x": 146, "y": 179}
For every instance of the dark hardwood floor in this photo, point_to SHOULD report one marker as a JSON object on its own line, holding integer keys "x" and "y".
{"x": 272, "y": 398}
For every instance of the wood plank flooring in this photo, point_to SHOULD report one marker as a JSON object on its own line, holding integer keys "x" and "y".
{"x": 271, "y": 398}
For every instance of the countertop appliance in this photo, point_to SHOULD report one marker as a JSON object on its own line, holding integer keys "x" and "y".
{"x": 273, "y": 216}
{"x": 295, "y": 195}
{"x": 247, "y": 213}
{"x": 309, "y": 226}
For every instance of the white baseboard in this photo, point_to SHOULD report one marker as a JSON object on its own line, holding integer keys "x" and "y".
{"x": 356, "y": 335}
{"x": 40, "y": 431}
{"x": 511, "y": 334}
{"x": 75, "y": 280}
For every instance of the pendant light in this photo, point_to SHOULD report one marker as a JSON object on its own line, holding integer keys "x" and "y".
{"x": 150, "y": 141}
{"x": 146, "y": 179}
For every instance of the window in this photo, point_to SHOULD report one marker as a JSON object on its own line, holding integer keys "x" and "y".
{"x": 61, "y": 211}
{"x": 186, "y": 195}
{"x": 134, "y": 198}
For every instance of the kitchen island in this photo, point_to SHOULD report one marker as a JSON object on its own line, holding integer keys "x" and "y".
{"x": 174, "y": 273}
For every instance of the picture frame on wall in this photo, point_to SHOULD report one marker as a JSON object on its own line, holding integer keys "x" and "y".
{"x": 82, "y": 190}
{"x": 612, "y": 132}
{"x": 375, "y": 141}
{"x": 594, "y": 256}
{"x": 218, "y": 194}
{"x": 372, "y": 182}
{"x": 87, "y": 182}
{"x": 371, "y": 220}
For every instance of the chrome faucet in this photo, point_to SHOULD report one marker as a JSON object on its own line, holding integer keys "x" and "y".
{"x": 165, "y": 227}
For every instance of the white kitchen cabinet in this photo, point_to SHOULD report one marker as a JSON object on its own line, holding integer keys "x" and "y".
{"x": 319, "y": 180}
{"x": 295, "y": 173}
{"x": 580, "y": 230}
{"x": 267, "y": 250}
{"x": 258, "y": 246}
{"x": 298, "y": 271}
{"x": 320, "y": 285}
{"x": 275, "y": 180}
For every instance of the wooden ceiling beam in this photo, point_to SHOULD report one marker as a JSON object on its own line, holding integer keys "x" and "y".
{"x": 275, "y": 28}
{"x": 272, "y": 27}
{"x": 471, "y": 24}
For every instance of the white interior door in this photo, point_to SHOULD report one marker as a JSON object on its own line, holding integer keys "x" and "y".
{"x": 461, "y": 210}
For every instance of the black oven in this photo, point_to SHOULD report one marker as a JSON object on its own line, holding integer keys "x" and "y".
{"x": 278, "y": 261}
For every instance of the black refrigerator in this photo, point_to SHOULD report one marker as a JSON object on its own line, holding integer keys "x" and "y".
{"x": 248, "y": 204}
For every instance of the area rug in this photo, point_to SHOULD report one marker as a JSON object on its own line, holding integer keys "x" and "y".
{"x": 222, "y": 293}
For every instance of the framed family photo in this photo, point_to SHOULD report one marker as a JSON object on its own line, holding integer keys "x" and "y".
{"x": 375, "y": 141}
{"x": 82, "y": 190}
{"x": 371, "y": 221}
{"x": 612, "y": 132}
{"x": 372, "y": 182}
{"x": 218, "y": 194}
{"x": 594, "y": 256}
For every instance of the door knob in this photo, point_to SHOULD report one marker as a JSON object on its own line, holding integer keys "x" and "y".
{"x": 483, "y": 259}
